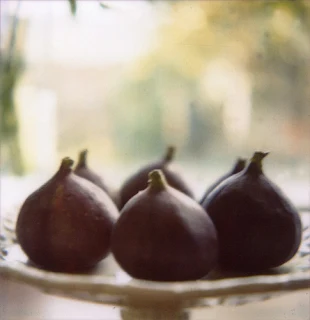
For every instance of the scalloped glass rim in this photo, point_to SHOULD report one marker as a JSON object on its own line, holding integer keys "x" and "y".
{"x": 121, "y": 290}
{"x": 143, "y": 290}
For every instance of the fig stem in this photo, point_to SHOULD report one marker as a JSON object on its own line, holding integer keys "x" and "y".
{"x": 66, "y": 164}
{"x": 258, "y": 157}
{"x": 83, "y": 158}
{"x": 170, "y": 153}
{"x": 157, "y": 180}
{"x": 239, "y": 165}
{"x": 256, "y": 161}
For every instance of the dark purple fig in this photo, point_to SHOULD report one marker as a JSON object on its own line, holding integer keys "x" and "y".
{"x": 238, "y": 166}
{"x": 82, "y": 169}
{"x": 164, "y": 235}
{"x": 139, "y": 180}
{"x": 66, "y": 224}
{"x": 258, "y": 227}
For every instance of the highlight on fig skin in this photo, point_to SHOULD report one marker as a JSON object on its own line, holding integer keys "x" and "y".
{"x": 66, "y": 225}
{"x": 164, "y": 235}
{"x": 138, "y": 181}
{"x": 258, "y": 226}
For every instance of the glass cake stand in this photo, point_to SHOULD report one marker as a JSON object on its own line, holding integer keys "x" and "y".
{"x": 108, "y": 284}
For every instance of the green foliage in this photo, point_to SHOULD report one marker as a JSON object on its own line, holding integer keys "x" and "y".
{"x": 104, "y": 5}
{"x": 11, "y": 66}
{"x": 267, "y": 39}
{"x": 10, "y": 69}
{"x": 73, "y": 6}
{"x": 139, "y": 132}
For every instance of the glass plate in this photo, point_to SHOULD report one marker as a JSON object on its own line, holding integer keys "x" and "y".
{"x": 108, "y": 284}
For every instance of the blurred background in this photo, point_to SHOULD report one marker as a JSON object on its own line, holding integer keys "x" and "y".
{"x": 125, "y": 79}
{"x": 217, "y": 79}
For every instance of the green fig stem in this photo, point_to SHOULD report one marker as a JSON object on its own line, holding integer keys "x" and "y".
{"x": 258, "y": 157}
{"x": 255, "y": 165}
{"x": 83, "y": 158}
{"x": 157, "y": 180}
{"x": 66, "y": 165}
{"x": 169, "y": 155}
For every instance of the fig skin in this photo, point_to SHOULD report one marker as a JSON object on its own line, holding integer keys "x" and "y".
{"x": 239, "y": 165}
{"x": 66, "y": 224}
{"x": 139, "y": 180}
{"x": 258, "y": 227}
{"x": 82, "y": 170}
{"x": 164, "y": 235}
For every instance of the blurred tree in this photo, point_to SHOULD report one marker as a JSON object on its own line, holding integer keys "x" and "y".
{"x": 73, "y": 6}
{"x": 203, "y": 129}
{"x": 11, "y": 66}
{"x": 267, "y": 39}
{"x": 10, "y": 71}
{"x": 139, "y": 132}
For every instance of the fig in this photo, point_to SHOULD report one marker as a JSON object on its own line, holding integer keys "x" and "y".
{"x": 85, "y": 172}
{"x": 139, "y": 180}
{"x": 66, "y": 224}
{"x": 258, "y": 227}
{"x": 164, "y": 235}
{"x": 238, "y": 166}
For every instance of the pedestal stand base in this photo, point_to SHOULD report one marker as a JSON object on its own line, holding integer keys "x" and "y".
{"x": 154, "y": 314}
